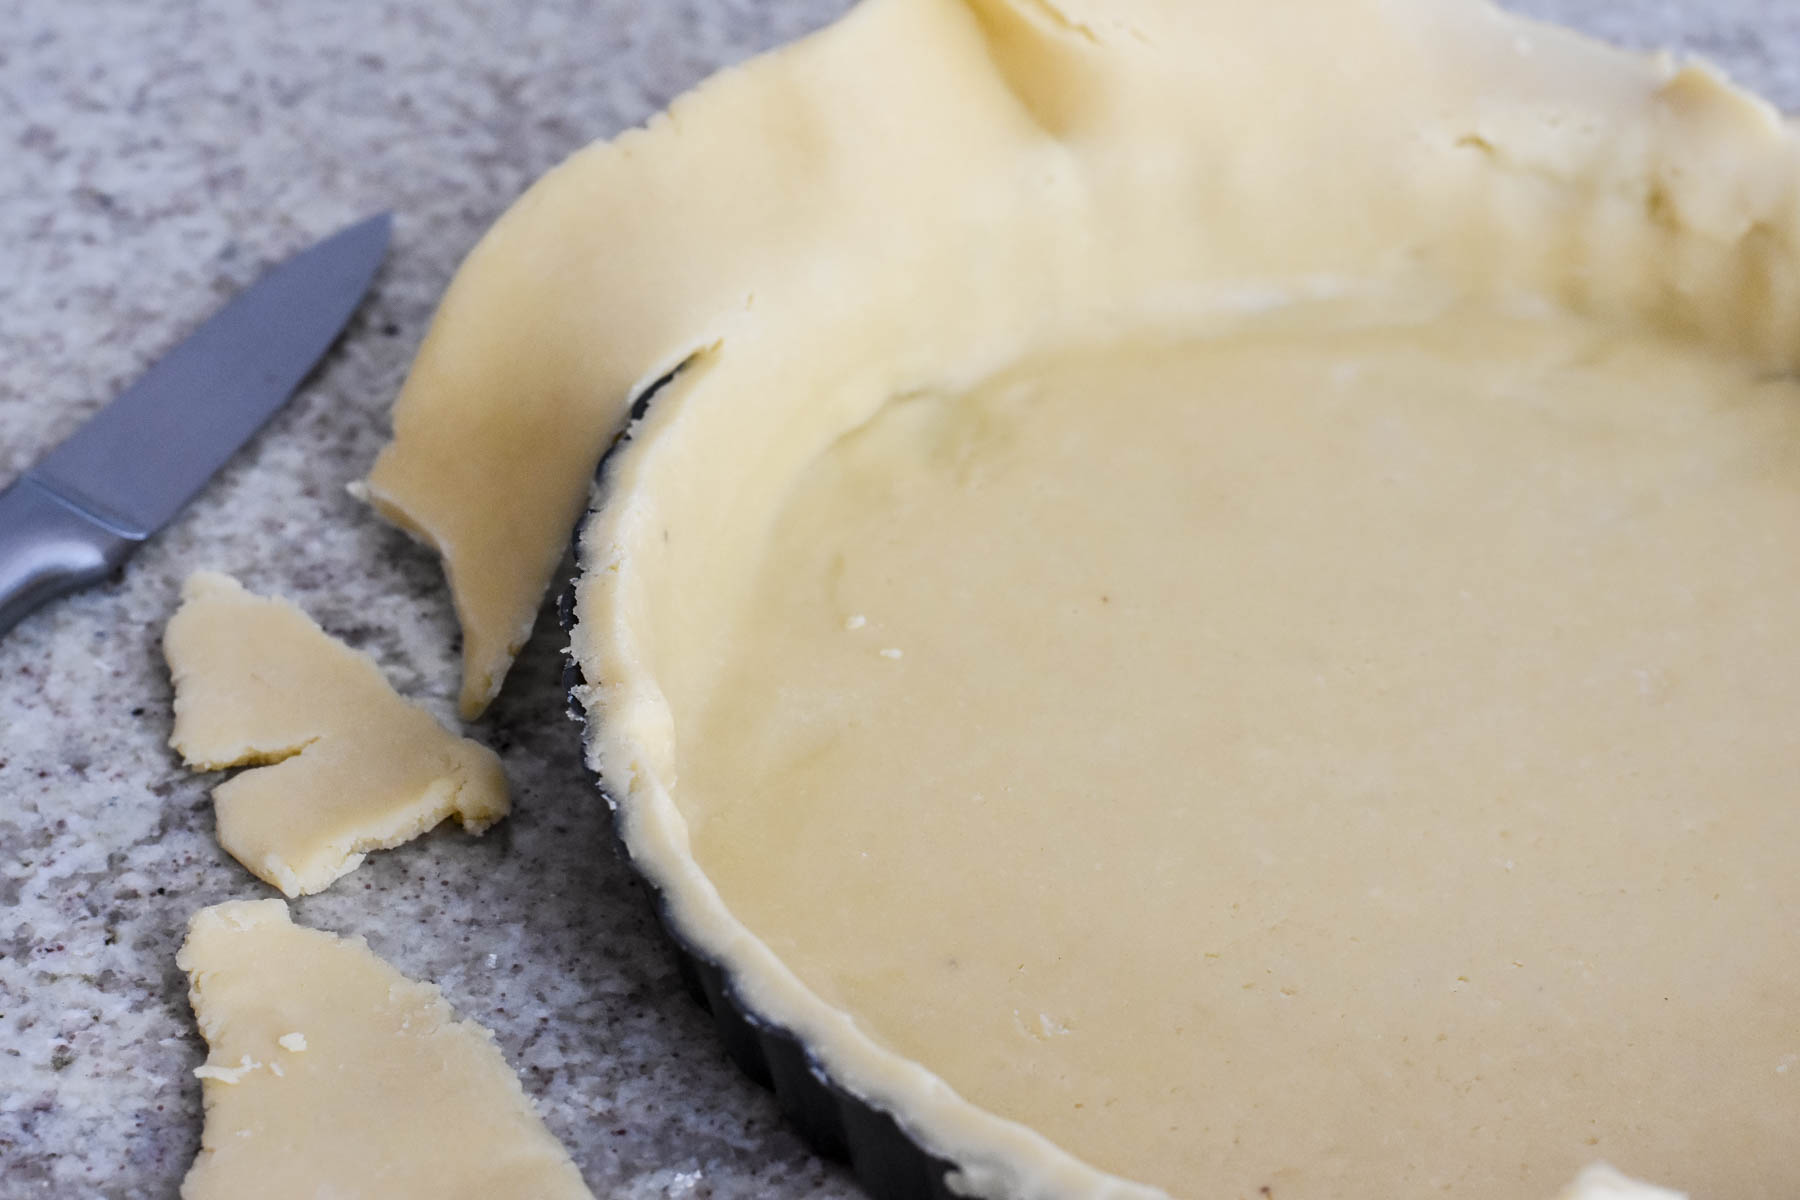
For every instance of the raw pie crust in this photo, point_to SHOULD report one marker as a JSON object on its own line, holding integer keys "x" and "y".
{"x": 1210, "y": 608}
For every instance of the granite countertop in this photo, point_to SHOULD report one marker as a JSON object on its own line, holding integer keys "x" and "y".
{"x": 159, "y": 154}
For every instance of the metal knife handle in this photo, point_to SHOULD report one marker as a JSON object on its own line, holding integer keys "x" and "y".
{"x": 49, "y": 547}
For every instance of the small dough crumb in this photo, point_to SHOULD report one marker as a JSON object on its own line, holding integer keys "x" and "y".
{"x": 892, "y": 652}
{"x": 230, "y": 1075}
{"x": 1601, "y": 1182}
{"x": 855, "y": 621}
{"x": 398, "y": 1098}
{"x": 352, "y": 766}
{"x": 295, "y": 1042}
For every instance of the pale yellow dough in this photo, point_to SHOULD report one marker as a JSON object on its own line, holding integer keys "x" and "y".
{"x": 354, "y": 767}
{"x": 331, "y": 1074}
{"x": 1208, "y": 608}
{"x": 1307, "y": 745}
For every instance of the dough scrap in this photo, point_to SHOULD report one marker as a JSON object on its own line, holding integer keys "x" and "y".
{"x": 349, "y": 766}
{"x": 393, "y": 1096}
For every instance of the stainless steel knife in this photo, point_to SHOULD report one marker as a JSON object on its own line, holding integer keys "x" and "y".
{"x": 75, "y": 517}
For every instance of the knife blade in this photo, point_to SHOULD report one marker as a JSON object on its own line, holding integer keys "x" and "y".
{"x": 79, "y": 512}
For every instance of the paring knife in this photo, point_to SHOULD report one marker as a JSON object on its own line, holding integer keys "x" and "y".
{"x": 76, "y": 516}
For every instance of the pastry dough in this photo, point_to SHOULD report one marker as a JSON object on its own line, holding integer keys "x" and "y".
{"x": 1207, "y": 607}
{"x": 1227, "y": 152}
{"x": 354, "y": 767}
{"x": 1307, "y": 742}
{"x": 331, "y": 1074}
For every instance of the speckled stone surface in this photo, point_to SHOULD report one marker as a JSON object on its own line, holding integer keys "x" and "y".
{"x": 156, "y": 155}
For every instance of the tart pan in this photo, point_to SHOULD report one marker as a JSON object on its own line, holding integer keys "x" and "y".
{"x": 835, "y": 1122}
{"x": 1052, "y": 199}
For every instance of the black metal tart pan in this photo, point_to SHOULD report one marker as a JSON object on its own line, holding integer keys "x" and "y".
{"x": 836, "y": 1122}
